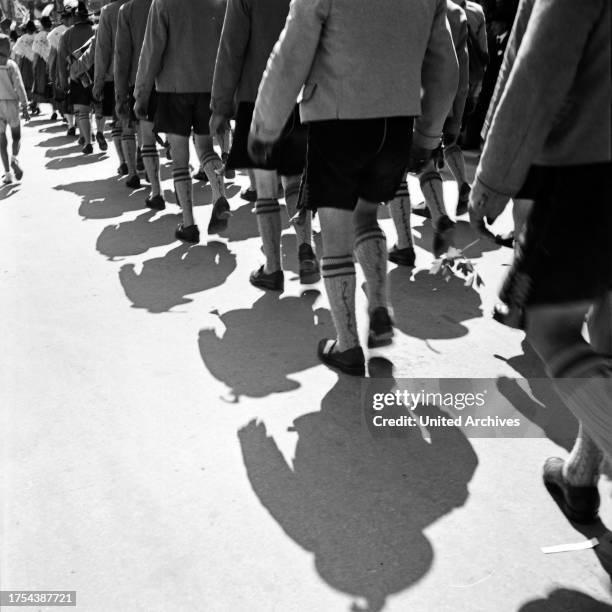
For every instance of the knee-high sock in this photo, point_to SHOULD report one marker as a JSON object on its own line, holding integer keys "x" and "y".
{"x": 150, "y": 157}
{"x": 212, "y": 163}
{"x": 339, "y": 279}
{"x": 85, "y": 126}
{"x": 116, "y": 133}
{"x": 183, "y": 190}
{"x": 583, "y": 379}
{"x": 303, "y": 223}
{"x": 371, "y": 252}
{"x": 431, "y": 186}
{"x": 400, "y": 213}
{"x": 128, "y": 145}
{"x": 453, "y": 155}
{"x": 70, "y": 119}
{"x": 100, "y": 123}
{"x": 582, "y": 466}
{"x": 269, "y": 224}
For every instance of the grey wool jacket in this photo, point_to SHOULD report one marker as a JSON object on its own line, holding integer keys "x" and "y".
{"x": 131, "y": 27}
{"x": 105, "y": 43}
{"x": 250, "y": 31}
{"x": 361, "y": 59}
{"x": 555, "y": 107}
{"x": 180, "y": 47}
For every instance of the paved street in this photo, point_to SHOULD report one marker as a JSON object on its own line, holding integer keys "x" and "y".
{"x": 170, "y": 441}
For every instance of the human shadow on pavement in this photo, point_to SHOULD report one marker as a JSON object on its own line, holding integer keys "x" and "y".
{"x": 74, "y": 162}
{"x": 359, "y": 502}
{"x": 104, "y": 199}
{"x": 58, "y": 141}
{"x": 137, "y": 236}
{"x": 6, "y": 191}
{"x": 566, "y": 600}
{"x": 428, "y": 307}
{"x": 264, "y": 345}
{"x": 464, "y": 236}
{"x": 164, "y": 282}
{"x": 542, "y": 405}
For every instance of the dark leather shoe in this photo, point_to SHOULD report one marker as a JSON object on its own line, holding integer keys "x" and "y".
{"x": 191, "y": 233}
{"x": 402, "y": 257}
{"x": 579, "y": 504}
{"x": 350, "y": 362}
{"x": 274, "y": 281}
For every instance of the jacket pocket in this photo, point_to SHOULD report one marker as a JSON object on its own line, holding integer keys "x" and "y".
{"x": 307, "y": 92}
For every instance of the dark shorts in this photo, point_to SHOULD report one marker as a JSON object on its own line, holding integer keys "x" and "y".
{"x": 288, "y": 156}
{"x": 565, "y": 252}
{"x": 151, "y": 109}
{"x": 108, "y": 99}
{"x": 351, "y": 159}
{"x": 79, "y": 95}
{"x": 179, "y": 113}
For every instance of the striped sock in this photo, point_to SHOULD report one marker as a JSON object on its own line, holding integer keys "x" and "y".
{"x": 400, "y": 213}
{"x": 431, "y": 186}
{"x": 150, "y": 158}
{"x": 128, "y": 145}
{"x": 371, "y": 251}
{"x": 183, "y": 190}
{"x": 339, "y": 279}
{"x": 269, "y": 224}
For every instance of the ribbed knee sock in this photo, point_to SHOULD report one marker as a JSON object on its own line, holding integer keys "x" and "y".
{"x": 116, "y": 134}
{"x": 212, "y": 163}
{"x": 583, "y": 379}
{"x": 150, "y": 158}
{"x": 183, "y": 190}
{"x": 128, "y": 145}
{"x": 339, "y": 279}
{"x": 303, "y": 223}
{"x": 269, "y": 224}
{"x": 453, "y": 155}
{"x": 400, "y": 213}
{"x": 371, "y": 252}
{"x": 85, "y": 126}
{"x": 431, "y": 186}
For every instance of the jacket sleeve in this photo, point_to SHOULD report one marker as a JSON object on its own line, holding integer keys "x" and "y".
{"x": 230, "y": 56}
{"x": 123, "y": 55}
{"x": 85, "y": 61}
{"x": 538, "y": 84}
{"x": 151, "y": 56}
{"x": 439, "y": 80}
{"x": 453, "y": 124}
{"x": 516, "y": 36}
{"x": 62, "y": 60}
{"x": 104, "y": 50}
{"x": 17, "y": 82}
{"x": 288, "y": 67}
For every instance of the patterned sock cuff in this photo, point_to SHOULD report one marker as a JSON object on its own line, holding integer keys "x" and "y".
{"x": 342, "y": 265}
{"x": 266, "y": 206}
{"x": 371, "y": 233}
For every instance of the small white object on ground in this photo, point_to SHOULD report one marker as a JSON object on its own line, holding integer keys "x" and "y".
{"x": 584, "y": 545}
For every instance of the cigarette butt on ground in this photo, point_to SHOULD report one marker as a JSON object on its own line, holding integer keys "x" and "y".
{"x": 559, "y": 548}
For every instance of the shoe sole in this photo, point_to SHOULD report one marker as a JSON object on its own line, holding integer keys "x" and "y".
{"x": 351, "y": 370}
{"x": 576, "y": 517}
{"x": 266, "y": 286}
{"x": 188, "y": 240}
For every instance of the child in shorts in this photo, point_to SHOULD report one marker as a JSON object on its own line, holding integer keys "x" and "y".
{"x": 12, "y": 92}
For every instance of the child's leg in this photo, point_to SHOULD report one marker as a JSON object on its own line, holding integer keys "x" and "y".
{"x": 16, "y": 136}
{"x": 4, "y": 148}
